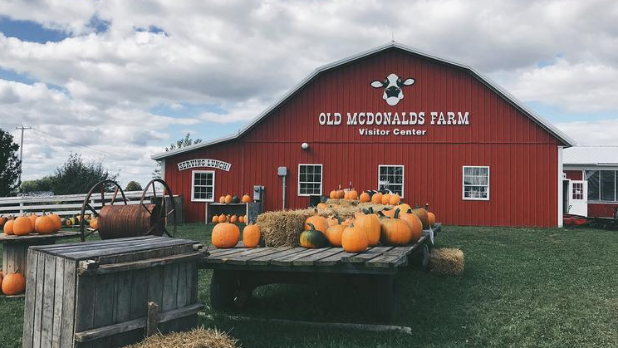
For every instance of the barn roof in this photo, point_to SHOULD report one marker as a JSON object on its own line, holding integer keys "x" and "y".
{"x": 590, "y": 156}
{"x": 563, "y": 138}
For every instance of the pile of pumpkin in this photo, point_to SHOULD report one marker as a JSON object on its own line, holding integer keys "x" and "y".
{"x": 75, "y": 220}
{"x": 12, "y": 283}
{"x": 369, "y": 196}
{"x": 229, "y": 199}
{"x": 26, "y": 224}
{"x": 229, "y": 218}
{"x": 396, "y": 226}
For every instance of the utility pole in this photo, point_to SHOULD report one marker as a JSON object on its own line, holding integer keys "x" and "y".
{"x": 21, "y": 149}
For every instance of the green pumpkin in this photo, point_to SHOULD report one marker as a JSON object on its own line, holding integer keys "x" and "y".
{"x": 313, "y": 238}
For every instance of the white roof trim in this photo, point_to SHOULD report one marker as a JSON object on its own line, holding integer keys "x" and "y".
{"x": 535, "y": 117}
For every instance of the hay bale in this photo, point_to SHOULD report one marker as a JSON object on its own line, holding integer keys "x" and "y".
{"x": 283, "y": 227}
{"x": 342, "y": 202}
{"x": 447, "y": 261}
{"x": 196, "y": 338}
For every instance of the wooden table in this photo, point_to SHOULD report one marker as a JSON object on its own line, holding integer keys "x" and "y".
{"x": 238, "y": 271}
{"x": 15, "y": 248}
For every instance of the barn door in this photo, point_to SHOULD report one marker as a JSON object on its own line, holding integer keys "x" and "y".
{"x": 578, "y": 197}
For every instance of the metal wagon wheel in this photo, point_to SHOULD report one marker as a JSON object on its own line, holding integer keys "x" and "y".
{"x": 100, "y": 186}
{"x": 160, "y": 214}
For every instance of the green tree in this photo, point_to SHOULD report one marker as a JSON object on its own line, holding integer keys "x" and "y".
{"x": 9, "y": 164}
{"x": 38, "y": 185}
{"x": 133, "y": 186}
{"x": 77, "y": 176}
{"x": 183, "y": 142}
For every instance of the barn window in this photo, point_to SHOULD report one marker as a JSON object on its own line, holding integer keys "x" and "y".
{"x": 602, "y": 185}
{"x": 203, "y": 186}
{"x": 309, "y": 179}
{"x": 476, "y": 183}
{"x": 390, "y": 177}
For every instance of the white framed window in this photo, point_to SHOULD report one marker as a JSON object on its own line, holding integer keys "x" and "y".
{"x": 203, "y": 186}
{"x": 602, "y": 185}
{"x": 475, "y": 183}
{"x": 390, "y": 177}
{"x": 309, "y": 179}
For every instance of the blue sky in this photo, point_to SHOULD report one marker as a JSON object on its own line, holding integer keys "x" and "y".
{"x": 122, "y": 80}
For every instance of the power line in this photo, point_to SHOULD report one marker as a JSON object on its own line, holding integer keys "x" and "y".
{"x": 21, "y": 149}
{"x": 83, "y": 146}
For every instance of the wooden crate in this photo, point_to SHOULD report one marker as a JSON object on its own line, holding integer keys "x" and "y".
{"x": 105, "y": 294}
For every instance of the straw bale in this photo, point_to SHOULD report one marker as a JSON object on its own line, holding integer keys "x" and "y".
{"x": 196, "y": 338}
{"x": 447, "y": 261}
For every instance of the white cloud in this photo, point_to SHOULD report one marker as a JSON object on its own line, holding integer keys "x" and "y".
{"x": 601, "y": 133}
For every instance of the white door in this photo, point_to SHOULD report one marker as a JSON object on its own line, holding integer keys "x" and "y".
{"x": 578, "y": 197}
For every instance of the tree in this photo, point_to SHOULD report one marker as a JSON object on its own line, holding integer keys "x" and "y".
{"x": 9, "y": 164}
{"x": 180, "y": 143}
{"x": 38, "y": 185}
{"x": 133, "y": 186}
{"x": 76, "y": 176}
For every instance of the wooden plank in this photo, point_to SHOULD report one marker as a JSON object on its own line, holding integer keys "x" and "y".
{"x": 221, "y": 258}
{"x": 88, "y": 245}
{"x": 221, "y": 252}
{"x": 365, "y": 256}
{"x": 122, "y": 306}
{"x": 401, "y": 251}
{"x": 47, "y": 319}
{"x": 242, "y": 258}
{"x": 137, "y": 265}
{"x": 289, "y": 259}
{"x": 170, "y": 293}
{"x": 4, "y": 238}
{"x": 311, "y": 259}
{"x": 31, "y": 299}
{"x": 58, "y": 300}
{"x": 182, "y": 296}
{"x": 68, "y": 304}
{"x": 140, "y": 255}
{"x": 139, "y": 303}
{"x": 333, "y": 259}
{"x": 123, "y": 249}
{"x": 387, "y": 261}
{"x": 85, "y": 305}
{"x": 265, "y": 260}
{"x": 104, "y": 305}
{"x": 98, "y": 333}
{"x": 38, "y": 309}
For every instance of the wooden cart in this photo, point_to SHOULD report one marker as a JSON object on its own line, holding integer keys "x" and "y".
{"x": 238, "y": 271}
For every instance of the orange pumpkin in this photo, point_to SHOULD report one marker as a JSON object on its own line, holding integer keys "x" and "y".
{"x": 94, "y": 223}
{"x": 416, "y": 226}
{"x": 353, "y": 195}
{"x": 365, "y": 197}
{"x": 222, "y": 199}
{"x": 354, "y": 239}
{"x": 2, "y": 221}
{"x": 234, "y": 219}
{"x": 44, "y": 225}
{"x": 431, "y": 218}
{"x": 23, "y": 226}
{"x": 241, "y": 219}
{"x": 333, "y": 234}
{"x": 333, "y": 220}
{"x": 246, "y": 198}
{"x": 423, "y": 216}
{"x": 13, "y": 284}
{"x": 225, "y": 235}
{"x": 376, "y": 198}
{"x": 395, "y": 199}
{"x": 222, "y": 218}
{"x": 403, "y": 207}
{"x": 318, "y": 222}
{"x": 386, "y": 198}
{"x": 8, "y": 227}
{"x": 228, "y": 199}
{"x": 340, "y": 194}
{"x": 58, "y": 221}
{"x": 321, "y": 206}
{"x": 33, "y": 218}
{"x": 215, "y": 219}
{"x": 333, "y": 194}
{"x": 251, "y": 236}
{"x": 346, "y": 194}
{"x": 370, "y": 223}
{"x": 389, "y": 212}
{"x": 395, "y": 231}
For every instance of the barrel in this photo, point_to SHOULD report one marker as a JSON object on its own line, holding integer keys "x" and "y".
{"x": 123, "y": 221}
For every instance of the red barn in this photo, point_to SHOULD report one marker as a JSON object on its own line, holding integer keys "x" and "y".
{"x": 430, "y": 129}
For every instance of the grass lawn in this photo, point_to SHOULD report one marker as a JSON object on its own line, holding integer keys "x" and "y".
{"x": 521, "y": 287}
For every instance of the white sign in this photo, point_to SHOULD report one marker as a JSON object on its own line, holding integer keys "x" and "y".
{"x": 204, "y": 162}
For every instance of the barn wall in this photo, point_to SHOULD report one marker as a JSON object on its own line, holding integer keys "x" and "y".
{"x": 522, "y": 155}
{"x": 574, "y": 174}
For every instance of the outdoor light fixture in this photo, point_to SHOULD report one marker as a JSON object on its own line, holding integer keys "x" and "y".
{"x": 304, "y": 146}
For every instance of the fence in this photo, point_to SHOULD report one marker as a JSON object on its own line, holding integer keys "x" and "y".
{"x": 65, "y": 205}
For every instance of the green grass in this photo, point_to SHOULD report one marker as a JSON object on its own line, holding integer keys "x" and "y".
{"x": 521, "y": 287}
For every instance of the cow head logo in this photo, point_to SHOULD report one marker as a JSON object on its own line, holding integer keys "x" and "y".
{"x": 392, "y": 85}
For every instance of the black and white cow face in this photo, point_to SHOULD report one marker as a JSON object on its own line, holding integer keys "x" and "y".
{"x": 392, "y": 85}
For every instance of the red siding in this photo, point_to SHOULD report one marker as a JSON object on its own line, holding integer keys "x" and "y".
{"x": 522, "y": 156}
{"x": 574, "y": 174}
{"x": 601, "y": 209}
